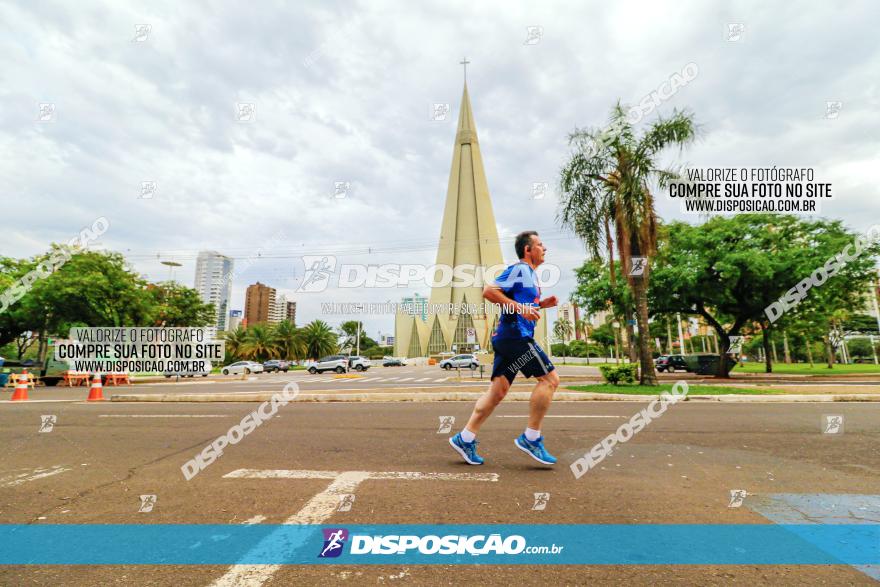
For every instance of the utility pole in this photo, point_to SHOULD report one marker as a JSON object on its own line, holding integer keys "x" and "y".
{"x": 680, "y": 335}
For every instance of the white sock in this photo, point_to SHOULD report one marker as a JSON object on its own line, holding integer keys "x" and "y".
{"x": 467, "y": 435}
{"x": 532, "y": 435}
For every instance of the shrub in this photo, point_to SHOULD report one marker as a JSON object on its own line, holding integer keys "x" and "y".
{"x": 615, "y": 374}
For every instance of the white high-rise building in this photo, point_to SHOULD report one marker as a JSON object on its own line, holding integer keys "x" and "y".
{"x": 214, "y": 283}
{"x": 278, "y": 309}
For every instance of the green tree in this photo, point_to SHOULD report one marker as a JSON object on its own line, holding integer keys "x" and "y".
{"x": 607, "y": 181}
{"x": 92, "y": 288}
{"x": 260, "y": 343}
{"x": 289, "y": 338}
{"x": 729, "y": 270}
{"x": 319, "y": 338}
{"x": 562, "y": 330}
{"x": 178, "y": 305}
{"x": 235, "y": 342}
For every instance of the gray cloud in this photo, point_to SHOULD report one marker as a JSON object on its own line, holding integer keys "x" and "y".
{"x": 342, "y": 93}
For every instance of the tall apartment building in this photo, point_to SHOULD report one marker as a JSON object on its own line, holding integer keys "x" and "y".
{"x": 259, "y": 304}
{"x": 234, "y": 319}
{"x": 569, "y": 312}
{"x": 214, "y": 284}
{"x": 291, "y": 312}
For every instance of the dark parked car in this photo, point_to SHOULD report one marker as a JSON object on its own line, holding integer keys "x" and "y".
{"x": 671, "y": 363}
{"x": 275, "y": 366}
{"x": 393, "y": 362}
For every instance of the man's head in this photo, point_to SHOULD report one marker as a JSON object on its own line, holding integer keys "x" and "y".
{"x": 529, "y": 247}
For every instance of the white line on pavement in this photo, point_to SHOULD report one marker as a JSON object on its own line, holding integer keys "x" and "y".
{"x": 163, "y": 416}
{"x": 319, "y": 508}
{"x": 34, "y": 475}
{"x": 406, "y": 379}
{"x": 564, "y": 416}
{"x": 422, "y": 379}
{"x": 309, "y": 474}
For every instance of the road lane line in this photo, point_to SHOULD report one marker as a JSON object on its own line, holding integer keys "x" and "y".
{"x": 564, "y": 416}
{"x": 318, "y": 509}
{"x": 163, "y": 416}
{"x": 33, "y": 476}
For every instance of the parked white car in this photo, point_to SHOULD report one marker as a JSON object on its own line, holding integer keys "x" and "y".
{"x": 245, "y": 367}
{"x": 338, "y": 363}
{"x": 359, "y": 363}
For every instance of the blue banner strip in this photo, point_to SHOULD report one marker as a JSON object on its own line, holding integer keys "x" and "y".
{"x": 636, "y": 544}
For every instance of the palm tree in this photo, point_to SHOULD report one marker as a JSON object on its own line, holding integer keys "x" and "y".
{"x": 606, "y": 181}
{"x": 562, "y": 330}
{"x": 582, "y": 326}
{"x": 235, "y": 340}
{"x": 290, "y": 342}
{"x": 319, "y": 339}
{"x": 260, "y": 343}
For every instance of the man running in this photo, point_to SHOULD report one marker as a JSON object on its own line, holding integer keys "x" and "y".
{"x": 518, "y": 293}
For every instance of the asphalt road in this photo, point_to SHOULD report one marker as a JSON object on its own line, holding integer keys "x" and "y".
{"x": 99, "y": 458}
{"x": 403, "y": 378}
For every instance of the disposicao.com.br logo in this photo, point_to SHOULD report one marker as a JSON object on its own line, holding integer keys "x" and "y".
{"x": 431, "y": 544}
{"x": 322, "y": 271}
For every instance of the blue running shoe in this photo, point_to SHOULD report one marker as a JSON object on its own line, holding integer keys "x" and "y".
{"x": 468, "y": 450}
{"x": 535, "y": 449}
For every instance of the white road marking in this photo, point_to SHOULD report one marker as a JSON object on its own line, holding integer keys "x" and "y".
{"x": 319, "y": 508}
{"x": 406, "y": 379}
{"x": 14, "y": 480}
{"x": 309, "y": 474}
{"x": 564, "y": 416}
{"x": 39, "y": 401}
{"x": 391, "y": 379}
{"x": 422, "y": 379}
{"x": 441, "y": 380}
{"x": 162, "y": 416}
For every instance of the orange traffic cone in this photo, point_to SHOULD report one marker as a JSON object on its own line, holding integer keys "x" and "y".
{"x": 96, "y": 393}
{"x": 20, "y": 392}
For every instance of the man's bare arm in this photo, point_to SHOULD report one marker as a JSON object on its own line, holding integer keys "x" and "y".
{"x": 493, "y": 294}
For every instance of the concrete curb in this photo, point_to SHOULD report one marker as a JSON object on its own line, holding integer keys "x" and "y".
{"x": 472, "y": 396}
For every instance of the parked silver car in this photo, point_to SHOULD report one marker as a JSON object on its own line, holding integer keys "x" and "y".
{"x": 466, "y": 361}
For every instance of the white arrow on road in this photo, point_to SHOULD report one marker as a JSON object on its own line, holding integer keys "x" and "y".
{"x": 321, "y": 507}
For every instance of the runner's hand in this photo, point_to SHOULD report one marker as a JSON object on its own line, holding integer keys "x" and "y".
{"x": 549, "y": 302}
{"x": 529, "y": 312}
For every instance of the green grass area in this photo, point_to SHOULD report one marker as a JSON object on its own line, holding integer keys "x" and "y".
{"x": 633, "y": 389}
{"x": 558, "y": 361}
{"x": 820, "y": 369}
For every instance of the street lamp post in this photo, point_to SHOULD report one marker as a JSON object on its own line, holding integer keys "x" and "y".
{"x": 171, "y": 265}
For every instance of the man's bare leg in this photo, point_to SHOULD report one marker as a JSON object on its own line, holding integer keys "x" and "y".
{"x": 486, "y": 404}
{"x": 542, "y": 395}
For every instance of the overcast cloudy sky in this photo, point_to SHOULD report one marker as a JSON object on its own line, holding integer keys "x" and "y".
{"x": 343, "y": 92}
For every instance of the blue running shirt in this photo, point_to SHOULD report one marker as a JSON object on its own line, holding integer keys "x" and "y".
{"x": 520, "y": 283}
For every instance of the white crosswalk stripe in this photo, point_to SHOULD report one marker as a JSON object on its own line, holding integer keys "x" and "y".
{"x": 422, "y": 379}
{"x": 407, "y": 379}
